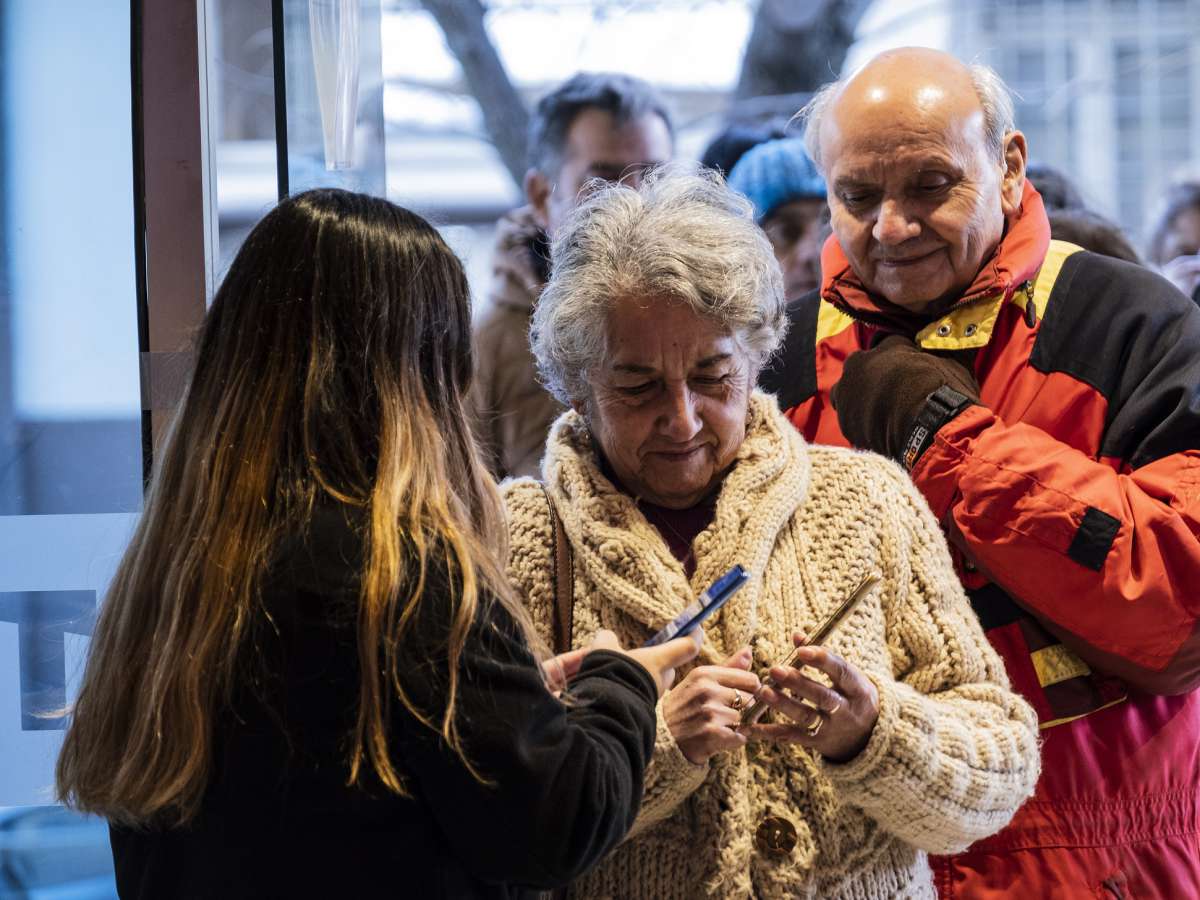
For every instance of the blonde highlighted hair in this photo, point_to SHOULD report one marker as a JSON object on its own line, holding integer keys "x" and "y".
{"x": 332, "y": 366}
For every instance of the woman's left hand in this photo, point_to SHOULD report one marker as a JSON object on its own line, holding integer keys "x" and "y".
{"x": 562, "y": 668}
{"x": 839, "y": 721}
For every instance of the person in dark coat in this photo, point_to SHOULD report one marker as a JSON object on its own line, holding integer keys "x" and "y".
{"x": 310, "y": 677}
{"x": 1055, "y": 187}
{"x": 1071, "y": 219}
{"x": 1091, "y": 231}
{"x": 729, "y": 145}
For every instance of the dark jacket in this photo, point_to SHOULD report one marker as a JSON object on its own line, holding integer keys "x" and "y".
{"x": 1071, "y": 497}
{"x": 279, "y": 819}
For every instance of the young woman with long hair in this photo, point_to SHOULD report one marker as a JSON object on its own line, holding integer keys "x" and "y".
{"x": 309, "y": 676}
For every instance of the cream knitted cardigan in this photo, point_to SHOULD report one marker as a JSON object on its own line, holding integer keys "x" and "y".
{"x": 954, "y": 752}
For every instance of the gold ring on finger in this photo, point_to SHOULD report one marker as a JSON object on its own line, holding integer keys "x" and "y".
{"x": 738, "y": 701}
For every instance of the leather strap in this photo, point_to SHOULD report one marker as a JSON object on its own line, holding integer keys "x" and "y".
{"x": 564, "y": 582}
{"x": 564, "y": 611}
{"x": 940, "y": 407}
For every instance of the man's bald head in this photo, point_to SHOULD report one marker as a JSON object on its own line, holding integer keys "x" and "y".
{"x": 923, "y": 169}
{"x": 924, "y": 77}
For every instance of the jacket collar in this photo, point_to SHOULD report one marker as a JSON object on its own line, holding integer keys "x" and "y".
{"x": 508, "y": 290}
{"x": 1012, "y": 265}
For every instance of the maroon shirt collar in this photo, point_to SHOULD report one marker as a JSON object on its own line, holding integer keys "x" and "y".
{"x": 679, "y": 528}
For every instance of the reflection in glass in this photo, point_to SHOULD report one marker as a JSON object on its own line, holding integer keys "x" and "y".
{"x": 334, "y": 28}
{"x": 333, "y": 60}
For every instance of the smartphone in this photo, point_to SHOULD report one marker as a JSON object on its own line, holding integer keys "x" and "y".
{"x": 757, "y": 707}
{"x": 713, "y": 598}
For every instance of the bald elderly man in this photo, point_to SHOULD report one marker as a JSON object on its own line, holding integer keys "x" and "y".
{"x": 1046, "y": 401}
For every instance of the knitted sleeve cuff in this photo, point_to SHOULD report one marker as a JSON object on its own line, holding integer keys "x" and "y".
{"x": 936, "y": 778}
{"x": 863, "y": 768}
{"x": 671, "y": 769}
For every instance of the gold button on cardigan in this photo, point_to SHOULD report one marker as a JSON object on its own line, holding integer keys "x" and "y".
{"x": 775, "y": 836}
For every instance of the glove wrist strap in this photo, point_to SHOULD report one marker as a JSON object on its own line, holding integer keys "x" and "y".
{"x": 939, "y": 408}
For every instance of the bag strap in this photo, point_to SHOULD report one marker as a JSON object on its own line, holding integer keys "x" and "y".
{"x": 564, "y": 582}
{"x": 564, "y": 611}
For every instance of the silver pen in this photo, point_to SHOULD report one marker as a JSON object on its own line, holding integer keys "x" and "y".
{"x": 758, "y": 707}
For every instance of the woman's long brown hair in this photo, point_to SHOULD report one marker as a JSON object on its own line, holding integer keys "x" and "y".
{"x": 332, "y": 364}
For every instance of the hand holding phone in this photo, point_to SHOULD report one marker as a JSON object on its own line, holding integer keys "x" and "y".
{"x": 714, "y": 597}
{"x": 663, "y": 659}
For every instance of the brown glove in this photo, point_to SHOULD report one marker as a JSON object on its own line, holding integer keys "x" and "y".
{"x": 883, "y": 389}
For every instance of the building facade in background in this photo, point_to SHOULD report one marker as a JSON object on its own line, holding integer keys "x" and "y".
{"x": 1109, "y": 90}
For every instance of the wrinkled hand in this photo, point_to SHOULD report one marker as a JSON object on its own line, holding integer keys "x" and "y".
{"x": 700, "y": 713}
{"x": 847, "y": 713}
{"x": 516, "y": 234}
{"x": 1184, "y": 273}
{"x": 882, "y": 390}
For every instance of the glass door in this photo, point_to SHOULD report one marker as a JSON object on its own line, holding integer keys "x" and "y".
{"x": 70, "y": 403}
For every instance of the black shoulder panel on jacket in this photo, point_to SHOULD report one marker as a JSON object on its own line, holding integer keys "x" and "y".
{"x": 791, "y": 375}
{"x": 1131, "y": 335}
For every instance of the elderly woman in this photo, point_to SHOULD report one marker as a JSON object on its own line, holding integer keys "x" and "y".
{"x": 669, "y": 469}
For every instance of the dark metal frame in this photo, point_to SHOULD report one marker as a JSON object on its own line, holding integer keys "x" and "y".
{"x": 139, "y": 222}
{"x": 280, "y": 71}
{"x": 169, "y": 200}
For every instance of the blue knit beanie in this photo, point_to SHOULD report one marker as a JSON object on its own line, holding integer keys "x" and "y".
{"x": 774, "y": 173}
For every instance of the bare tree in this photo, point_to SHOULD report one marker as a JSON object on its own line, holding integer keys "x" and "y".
{"x": 504, "y": 115}
{"x": 794, "y": 47}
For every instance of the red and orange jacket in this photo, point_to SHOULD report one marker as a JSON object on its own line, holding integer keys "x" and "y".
{"x": 1071, "y": 499}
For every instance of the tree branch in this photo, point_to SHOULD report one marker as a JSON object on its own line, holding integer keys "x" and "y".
{"x": 795, "y": 46}
{"x": 504, "y": 115}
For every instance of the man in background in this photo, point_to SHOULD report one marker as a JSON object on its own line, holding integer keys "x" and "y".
{"x": 595, "y": 125}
